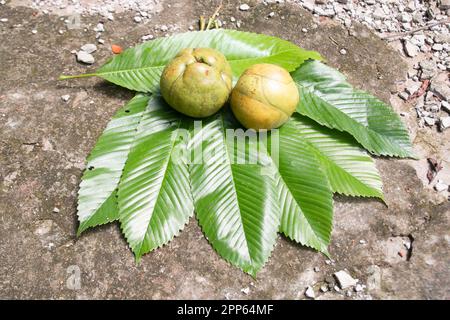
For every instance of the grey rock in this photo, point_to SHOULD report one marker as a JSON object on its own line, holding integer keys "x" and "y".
{"x": 378, "y": 13}
{"x": 429, "y": 121}
{"x": 85, "y": 57}
{"x": 89, "y": 48}
{"x": 418, "y": 39}
{"x": 359, "y": 287}
{"x": 344, "y": 280}
{"x": 441, "y": 89}
{"x": 405, "y": 17}
{"x": 437, "y": 47}
{"x": 99, "y": 27}
{"x": 440, "y": 186}
{"x": 445, "y": 5}
{"x": 244, "y": 7}
{"x": 403, "y": 95}
{"x": 444, "y": 123}
{"x": 309, "y": 293}
{"x": 445, "y": 106}
{"x": 137, "y": 19}
{"x": 411, "y": 50}
{"x": 442, "y": 38}
{"x": 65, "y": 97}
{"x": 413, "y": 87}
{"x": 375, "y": 277}
{"x": 428, "y": 69}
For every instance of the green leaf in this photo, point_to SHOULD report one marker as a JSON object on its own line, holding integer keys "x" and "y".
{"x": 304, "y": 193}
{"x": 139, "y": 68}
{"x": 236, "y": 204}
{"x": 97, "y": 194}
{"x": 154, "y": 197}
{"x": 350, "y": 170}
{"x": 327, "y": 98}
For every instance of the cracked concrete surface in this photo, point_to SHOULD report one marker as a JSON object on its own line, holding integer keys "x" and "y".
{"x": 45, "y": 141}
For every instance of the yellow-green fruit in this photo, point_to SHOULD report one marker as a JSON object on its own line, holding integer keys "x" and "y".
{"x": 264, "y": 97}
{"x": 197, "y": 82}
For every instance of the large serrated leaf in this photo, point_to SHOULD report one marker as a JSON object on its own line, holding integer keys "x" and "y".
{"x": 327, "y": 98}
{"x": 236, "y": 203}
{"x": 139, "y": 68}
{"x": 154, "y": 197}
{"x": 97, "y": 194}
{"x": 350, "y": 170}
{"x": 304, "y": 193}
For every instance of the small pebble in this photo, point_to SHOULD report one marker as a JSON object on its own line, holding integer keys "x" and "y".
{"x": 65, "y": 97}
{"x": 55, "y": 210}
{"x": 85, "y": 57}
{"x": 99, "y": 27}
{"x": 244, "y": 7}
{"x": 362, "y": 241}
{"x": 34, "y": 31}
{"x": 147, "y": 37}
{"x": 304, "y": 30}
{"x": 4, "y": 20}
{"x": 343, "y": 51}
{"x": 344, "y": 279}
{"x": 164, "y": 28}
{"x": 403, "y": 95}
{"x": 359, "y": 287}
{"x": 309, "y": 293}
{"x": 324, "y": 288}
{"x": 137, "y": 19}
{"x": 89, "y": 48}
{"x": 272, "y": 14}
{"x": 245, "y": 291}
{"x": 440, "y": 186}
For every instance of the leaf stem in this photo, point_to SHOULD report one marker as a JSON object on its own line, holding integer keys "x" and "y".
{"x": 84, "y": 75}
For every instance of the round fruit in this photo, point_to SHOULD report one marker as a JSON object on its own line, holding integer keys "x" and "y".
{"x": 197, "y": 82}
{"x": 264, "y": 97}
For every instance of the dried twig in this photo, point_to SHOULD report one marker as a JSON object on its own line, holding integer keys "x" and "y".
{"x": 202, "y": 23}
{"x": 212, "y": 19}
{"x": 397, "y": 36}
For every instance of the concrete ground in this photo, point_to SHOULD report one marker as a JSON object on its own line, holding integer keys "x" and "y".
{"x": 44, "y": 143}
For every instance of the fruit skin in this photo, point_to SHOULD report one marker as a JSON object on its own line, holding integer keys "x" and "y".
{"x": 264, "y": 97}
{"x": 197, "y": 82}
